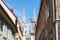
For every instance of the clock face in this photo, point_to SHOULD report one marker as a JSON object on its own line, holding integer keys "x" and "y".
{"x": 33, "y": 28}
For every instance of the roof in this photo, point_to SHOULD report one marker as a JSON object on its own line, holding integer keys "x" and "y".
{"x": 8, "y": 10}
{"x": 9, "y": 14}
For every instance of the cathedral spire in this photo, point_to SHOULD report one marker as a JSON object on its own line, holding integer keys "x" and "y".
{"x": 34, "y": 13}
{"x": 23, "y": 20}
{"x": 23, "y": 13}
{"x": 34, "y": 16}
{"x": 23, "y": 16}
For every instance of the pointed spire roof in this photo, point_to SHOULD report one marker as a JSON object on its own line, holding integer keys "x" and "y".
{"x": 23, "y": 13}
{"x": 34, "y": 13}
{"x": 34, "y": 16}
{"x": 23, "y": 20}
{"x": 23, "y": 16}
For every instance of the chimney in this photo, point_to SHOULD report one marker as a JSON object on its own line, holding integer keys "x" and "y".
{"x": 11, "y": 9}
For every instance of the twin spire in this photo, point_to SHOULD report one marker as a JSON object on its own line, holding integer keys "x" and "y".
{"x": 33, "y": 17}
{"x": 23, "y": 20}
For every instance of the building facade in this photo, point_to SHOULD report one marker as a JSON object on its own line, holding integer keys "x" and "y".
{"x": 57, "y": 24}
{"x": 19, "y": 35}
{"x": 33, "y": 25}
{"x": 46, "y": 29}
{"x": 28, "y": 29}
{"x": 8, "y": 23}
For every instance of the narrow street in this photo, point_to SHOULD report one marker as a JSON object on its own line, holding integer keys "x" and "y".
{"x": 29, "y": 20}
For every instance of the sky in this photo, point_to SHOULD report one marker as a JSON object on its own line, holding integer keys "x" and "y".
{"x": 27, "y": 5}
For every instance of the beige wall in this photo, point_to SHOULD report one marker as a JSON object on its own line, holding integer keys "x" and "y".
{"x": 19, "y": 31}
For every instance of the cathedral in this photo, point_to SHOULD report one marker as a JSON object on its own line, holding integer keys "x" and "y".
{"x": 28, "y": 29}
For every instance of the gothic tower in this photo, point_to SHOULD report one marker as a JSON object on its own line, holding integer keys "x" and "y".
{"x": 28, "y": 29}
{"x": 22, "y": 21}
{"x": 34, "y": 17}
{"x": 33, "y": 22}
{"x": 32, "y": 25}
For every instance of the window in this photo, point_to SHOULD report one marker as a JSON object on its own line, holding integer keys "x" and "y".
{"x": 9, "y": 34}
{"x": 33, "y": 28}
{"x": 59, "y": 13}
{"x": 28, "y": 38}
{"x": 1, "y": 28}
{"x": 4, "y": 30}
